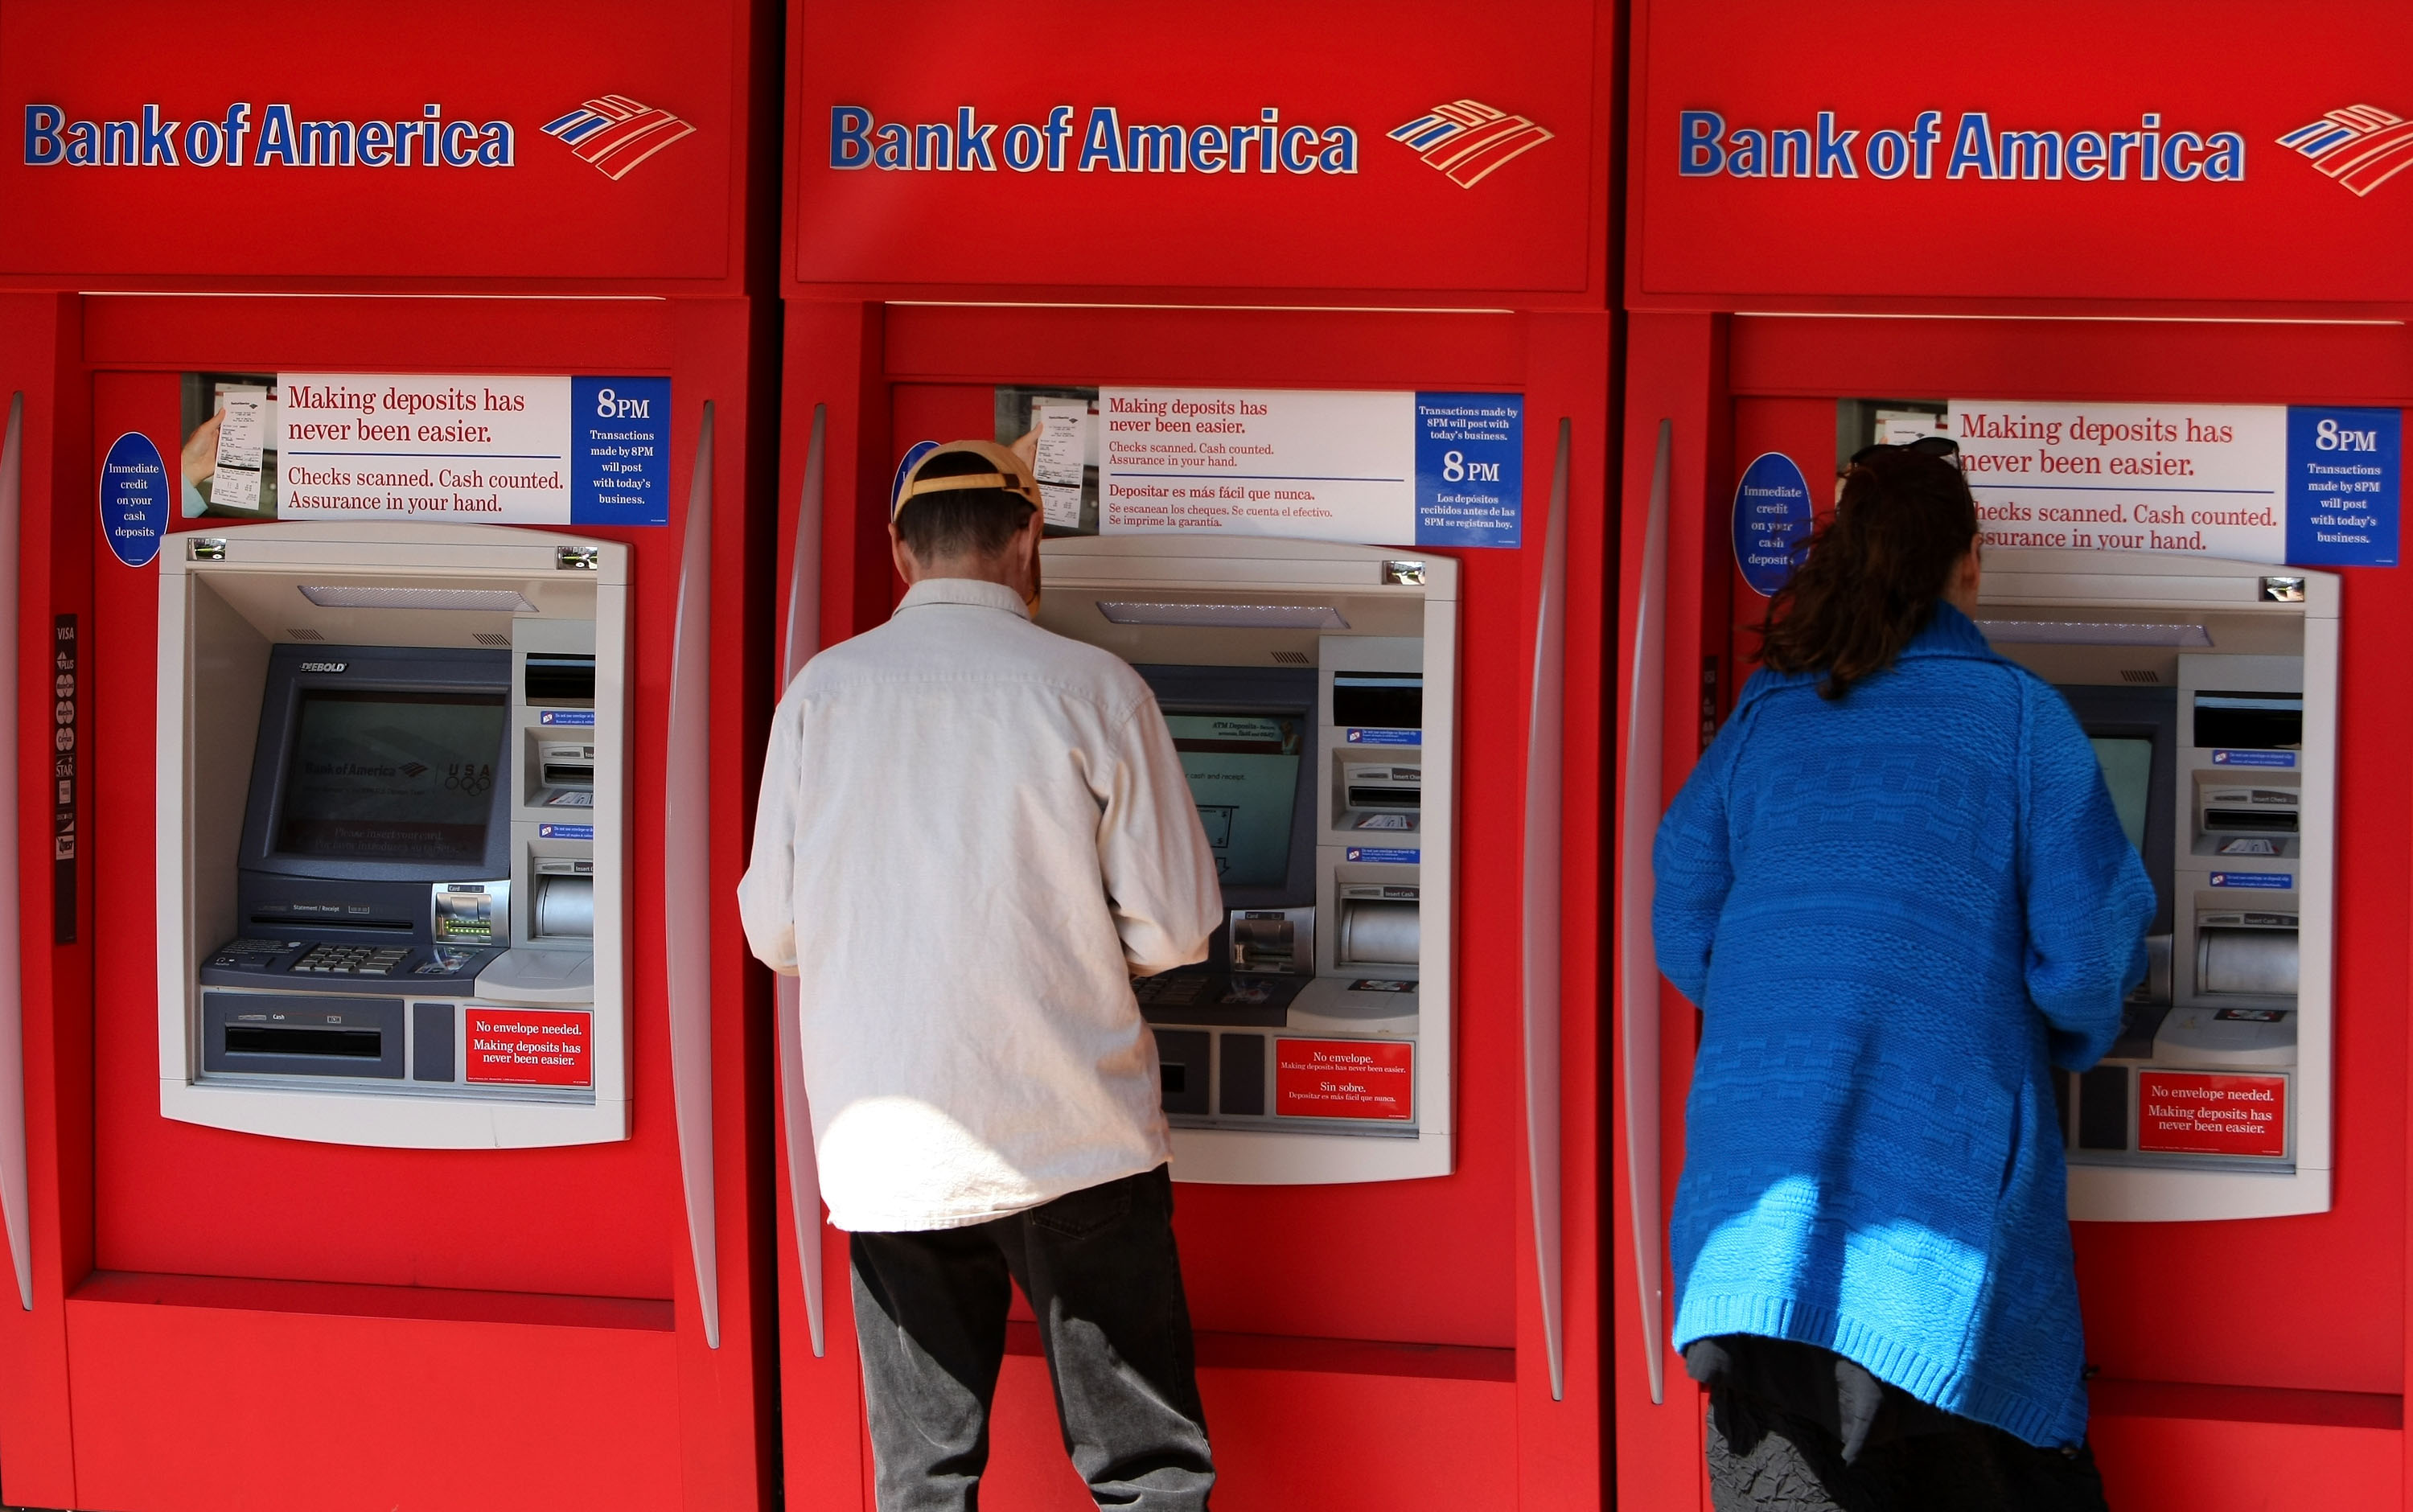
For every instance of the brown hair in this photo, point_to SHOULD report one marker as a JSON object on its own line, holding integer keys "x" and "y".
{"x": 1874, "y": 571}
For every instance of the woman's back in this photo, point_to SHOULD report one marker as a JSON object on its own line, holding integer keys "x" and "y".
{"x": 1891, "y": 909}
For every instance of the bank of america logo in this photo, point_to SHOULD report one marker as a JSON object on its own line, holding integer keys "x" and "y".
{"x": 2362, "y": 146}
{"x": 617, "y": 133}
{"x": 1469, "y": 141}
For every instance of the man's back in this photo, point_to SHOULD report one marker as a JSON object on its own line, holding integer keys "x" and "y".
{"x": 972, "y": 831}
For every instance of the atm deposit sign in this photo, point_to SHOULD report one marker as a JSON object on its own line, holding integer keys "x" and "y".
{"x": 466, "y": 449}
{"x": 2311, "y": 485}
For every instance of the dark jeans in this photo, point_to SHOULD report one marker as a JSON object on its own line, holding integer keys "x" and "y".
{"x": 1100, "y": 1272}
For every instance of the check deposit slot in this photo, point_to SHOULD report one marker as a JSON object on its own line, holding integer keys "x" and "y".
{"x": 390, "y": 834}
{"x": 1311, "y": 692}
{"x": 2209, "y": 691}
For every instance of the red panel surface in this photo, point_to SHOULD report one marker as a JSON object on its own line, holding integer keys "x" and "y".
{"x": 2285, "y": 231}
{"x": 549, "y": 218}
{"x": 442, "y": 1294}
{"x": 2159, "y": 1464}
{"x": 2156, "y": 1312}
{"x": 1535, "y": 225}
{"x": 211, "y": 1407}
{"x": 1442, "y": 1443}
{"x": 180, "y": 1199}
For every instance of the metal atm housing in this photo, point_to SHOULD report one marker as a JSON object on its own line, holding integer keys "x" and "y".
{"x": 2209, "y": 690}
{"x": 1314, "y": 1046}
{"x": 335, "y": 965}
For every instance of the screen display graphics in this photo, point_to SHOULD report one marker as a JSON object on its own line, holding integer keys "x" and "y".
{"x": 377, "y": 776}
{"x": 1243, "y": 771}
{"x": 2128, "y": 771}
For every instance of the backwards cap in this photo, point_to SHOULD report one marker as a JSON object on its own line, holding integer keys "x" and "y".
{"x": 1007, "y": 472}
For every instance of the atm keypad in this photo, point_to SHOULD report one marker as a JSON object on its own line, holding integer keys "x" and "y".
{"x": 352, "y": 960}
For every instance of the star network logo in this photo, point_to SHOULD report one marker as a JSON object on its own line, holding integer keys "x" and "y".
{"x": 615, "y": 133}
{"x": 2362, "y": 146}
{"x": 1468, "y": 140}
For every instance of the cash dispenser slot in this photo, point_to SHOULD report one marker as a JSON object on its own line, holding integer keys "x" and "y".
{"x": 2245, "y": 954}
{"x": 1379, "y": 928}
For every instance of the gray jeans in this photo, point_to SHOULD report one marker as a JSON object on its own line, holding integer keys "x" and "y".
{"x": 1100, "y": 1272}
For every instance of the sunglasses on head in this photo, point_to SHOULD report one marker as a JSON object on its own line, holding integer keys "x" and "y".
{"x": 1943, "y": 447}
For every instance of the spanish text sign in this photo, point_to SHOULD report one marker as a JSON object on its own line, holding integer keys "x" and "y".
{"x": 474, "y": 449}
{"x": 2313, "y": 485}
{"x": 1423, "y": 469}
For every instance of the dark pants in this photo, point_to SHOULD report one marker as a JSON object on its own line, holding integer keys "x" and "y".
{"x": 1763, "y": 1458}
{"x": 1100, "y": 1272}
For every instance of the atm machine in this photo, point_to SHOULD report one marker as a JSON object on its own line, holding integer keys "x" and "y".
{"x": 1311, "y": 691}
{"x": 400, "y": 811}
{"x": 2209, "y": 691}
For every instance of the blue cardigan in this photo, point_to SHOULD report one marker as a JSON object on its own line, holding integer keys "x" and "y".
{"x": 1893, "y": 910}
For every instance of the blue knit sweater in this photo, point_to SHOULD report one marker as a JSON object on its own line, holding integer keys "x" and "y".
{"x": 1894, "y": 910}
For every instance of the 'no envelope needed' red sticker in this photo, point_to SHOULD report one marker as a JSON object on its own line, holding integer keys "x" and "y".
{"x": 2210, "y": 1115}
{"x": 1344, "y": 1079}
{"x": 528, "y": 1048}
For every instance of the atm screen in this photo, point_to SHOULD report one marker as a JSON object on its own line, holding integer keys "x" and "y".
{"x": 1243, "y": 771}
{"x": 384, "y": 775}
{"x": 2129, "y": 772}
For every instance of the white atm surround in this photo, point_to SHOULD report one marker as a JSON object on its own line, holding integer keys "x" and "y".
{"x": 1081, "y": 571}
{"x": 228, "y": 596}
{"x": 2099, "y": 589}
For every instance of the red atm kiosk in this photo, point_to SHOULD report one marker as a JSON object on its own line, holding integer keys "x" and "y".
{"x": 382, "y": 1090}
{"x": 2148, "y": 283}
{"x": 1319, "y": 357}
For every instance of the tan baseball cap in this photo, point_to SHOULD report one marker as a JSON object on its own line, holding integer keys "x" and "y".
{"x": 1007, "y": 472}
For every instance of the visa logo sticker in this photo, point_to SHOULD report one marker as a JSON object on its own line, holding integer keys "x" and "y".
{"x": 565, "y": 832}
{"x": 2279, "y": 880}
{"x": 585, "y": 717}
{"x": 2253, "y": 758}
{"x": 1385, "y": 738}
{"x": 1384, "y": 855}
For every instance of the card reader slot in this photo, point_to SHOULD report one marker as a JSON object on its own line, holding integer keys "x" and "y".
{"x": 282, "y": 1039}
{"x": 284, "y": 922}
{"x": 1374, "y": 797}
{"x": 570, "y": 773}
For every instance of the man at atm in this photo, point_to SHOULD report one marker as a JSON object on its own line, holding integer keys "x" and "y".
{"x": 972, "y": 834}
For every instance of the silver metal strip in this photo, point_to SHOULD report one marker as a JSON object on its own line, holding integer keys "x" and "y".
{"x": 1544, "y": 806}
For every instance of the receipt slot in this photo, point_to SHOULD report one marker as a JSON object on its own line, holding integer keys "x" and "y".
{"x": 1310, "y": 690}
{"x": 391, "y": 883}
{"x": 2208, "y": 689}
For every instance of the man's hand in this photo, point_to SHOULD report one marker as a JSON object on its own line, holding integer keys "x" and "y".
{"x": 1027, "y": 449}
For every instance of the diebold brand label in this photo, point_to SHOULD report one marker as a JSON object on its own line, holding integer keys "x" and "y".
{"x": 2201, "y": 1112}
{"x": 532, "y": 1048}
{"x": 1344, "y": 1079}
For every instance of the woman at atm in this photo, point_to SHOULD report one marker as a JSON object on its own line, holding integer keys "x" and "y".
{"x": 1899, "y": 892}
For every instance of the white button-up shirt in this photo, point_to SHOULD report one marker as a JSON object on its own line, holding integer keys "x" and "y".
{"x": 973, "y": 832}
